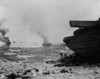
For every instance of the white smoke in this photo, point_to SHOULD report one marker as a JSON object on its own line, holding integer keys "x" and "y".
{"x": 46, "y": 20}
{"x": 3, "y": 32}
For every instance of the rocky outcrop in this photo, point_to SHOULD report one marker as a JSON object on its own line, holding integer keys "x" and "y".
{"x": 85, "y": 41}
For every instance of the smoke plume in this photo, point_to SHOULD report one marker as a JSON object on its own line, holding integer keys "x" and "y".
{"x": 45, "y": 20}
{"x": 3, "y": 30}
{"x": 4, "y": 41}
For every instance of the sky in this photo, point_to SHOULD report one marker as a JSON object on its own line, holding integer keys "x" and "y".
{"x": 37, "y": 21}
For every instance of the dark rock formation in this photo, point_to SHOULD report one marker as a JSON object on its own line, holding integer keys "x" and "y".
{"x": 85, "y": 42}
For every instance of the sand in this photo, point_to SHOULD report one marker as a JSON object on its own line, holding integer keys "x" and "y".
{"x": 34, "y": 66}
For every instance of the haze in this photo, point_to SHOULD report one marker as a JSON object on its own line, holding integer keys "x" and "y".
{"x": 37, "y": 21}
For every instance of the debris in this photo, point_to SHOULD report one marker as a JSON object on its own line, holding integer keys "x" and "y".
{"x": 64, "y": 71}
{"x": 46, "y": 73}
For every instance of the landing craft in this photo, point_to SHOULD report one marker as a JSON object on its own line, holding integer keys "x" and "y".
{"x": 86, "y": 39}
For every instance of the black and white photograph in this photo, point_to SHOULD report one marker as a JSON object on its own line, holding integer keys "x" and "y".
{"x": 49, "y": 39}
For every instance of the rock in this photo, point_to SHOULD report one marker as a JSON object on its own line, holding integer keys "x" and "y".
{"x": 46, "y": 73}
{"x": 50, "y": 62}
{"x": 52, "y": 72}
{"x": 11, "y": 76}
{"x": 34, "y": 73}
{"x": 37, "y": 70}
{"x": 2, "y": 76}
{"x": 27, "y": 71}
{"x": 64, "y": 71}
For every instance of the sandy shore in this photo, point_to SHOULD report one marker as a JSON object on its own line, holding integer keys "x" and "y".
{"x": 34, "y": 66}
